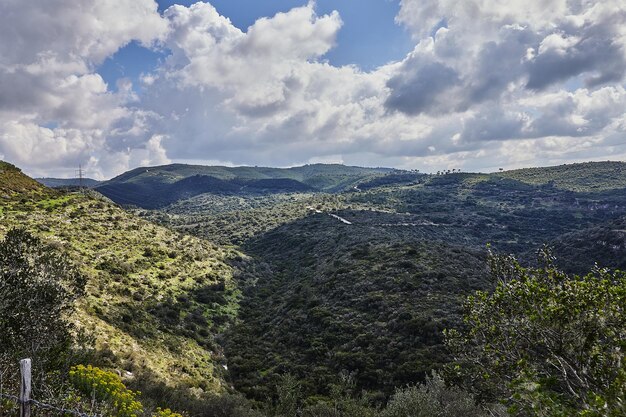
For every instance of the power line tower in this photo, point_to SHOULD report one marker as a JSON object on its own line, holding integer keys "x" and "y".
{"x": 81, "y": 174}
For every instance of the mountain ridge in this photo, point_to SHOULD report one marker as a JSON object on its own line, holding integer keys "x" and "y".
{"x": 156, "y": 187}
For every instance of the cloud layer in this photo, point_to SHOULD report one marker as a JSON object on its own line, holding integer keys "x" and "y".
{"x": 489, "y": 83}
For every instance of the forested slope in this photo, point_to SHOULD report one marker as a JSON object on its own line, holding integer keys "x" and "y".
{"x": 348, "y": 299}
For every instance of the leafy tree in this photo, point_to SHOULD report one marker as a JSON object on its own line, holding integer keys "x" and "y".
{"x": 548, "y": 343}
{"x": 38, "y": 286}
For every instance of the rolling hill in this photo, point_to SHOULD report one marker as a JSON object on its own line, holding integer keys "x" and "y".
{"x": 157, "y": 187}
{"x": 342, "y": 295}
{"x": 582, "y": 177}
{"x": 14, "y": 184}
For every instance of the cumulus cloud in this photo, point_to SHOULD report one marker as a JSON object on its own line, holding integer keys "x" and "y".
{"x": 55, "y": 110}
{"x": 264, "y": 90}
{"x": 497, "y": 47}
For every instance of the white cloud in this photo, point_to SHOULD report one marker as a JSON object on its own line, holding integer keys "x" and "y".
{"x": 55, "y": 111}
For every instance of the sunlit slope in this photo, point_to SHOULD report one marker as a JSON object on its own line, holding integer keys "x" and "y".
{"x": 155, "y": 299}
{"x": 583, "y": 177}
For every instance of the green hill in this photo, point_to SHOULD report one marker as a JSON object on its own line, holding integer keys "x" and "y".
{"x": 156, "y": 300}
{"x": 348, "y": 299}
{"x": 327, "y": 273}
{"x": 14, "y": 184}
{"x": 583, "y": 177}
{"x": 157, "y": 187}
{"x": 604, "y": 244}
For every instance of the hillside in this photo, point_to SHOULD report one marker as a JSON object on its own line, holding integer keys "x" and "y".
{"x": 604, "y": 243}
{"x": 348, "y": 299}
{"x": 381, "y": 269}
{"x": 156, "y": 300}
{"x": 157, "y": 187}
{"x": 464, "y": 208}
{"x": 232, "y": 220}
{"x": 14, "y": 184}
{"x": 323, "y": 286}
{"x": 583, "y": 177}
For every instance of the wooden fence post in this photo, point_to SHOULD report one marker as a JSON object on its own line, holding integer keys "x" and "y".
{"x": 25, "y": 388}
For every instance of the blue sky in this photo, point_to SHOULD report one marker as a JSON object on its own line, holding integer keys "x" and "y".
{"x": 370, "y": 37}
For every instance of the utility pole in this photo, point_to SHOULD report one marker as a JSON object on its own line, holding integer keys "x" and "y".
{"x": 80, "y": 174}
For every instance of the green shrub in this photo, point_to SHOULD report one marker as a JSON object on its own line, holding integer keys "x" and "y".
{"x": 432, "y": 399}
{"x": 165, "y": 413}
{"x": 107, "y": 387}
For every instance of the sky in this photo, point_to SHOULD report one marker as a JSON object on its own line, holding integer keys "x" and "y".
{"x": 476, "y": 85}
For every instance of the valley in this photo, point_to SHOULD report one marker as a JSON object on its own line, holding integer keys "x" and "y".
{"x": 213, "y": 282}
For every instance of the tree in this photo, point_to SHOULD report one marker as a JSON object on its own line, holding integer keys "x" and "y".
{"x": 38, "y": 286}
{"x": 547, "y": 343}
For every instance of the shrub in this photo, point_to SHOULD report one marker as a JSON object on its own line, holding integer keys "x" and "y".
{"x": 165, "y": 413}
{"x": 107, "y": 387}
{"x": 432, "y": 399}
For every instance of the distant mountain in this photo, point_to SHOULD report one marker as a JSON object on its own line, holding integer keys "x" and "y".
{"x": 67, "y": 182}
{"x": 160, "y": 186}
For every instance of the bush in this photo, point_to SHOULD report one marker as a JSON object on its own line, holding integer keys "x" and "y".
{"x": 432, "y": 399}
{"x": 107, "y": 387}
{"x": 165, "y": 413}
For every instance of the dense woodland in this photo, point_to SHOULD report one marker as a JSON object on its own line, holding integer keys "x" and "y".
{"x": 320, "y": 291}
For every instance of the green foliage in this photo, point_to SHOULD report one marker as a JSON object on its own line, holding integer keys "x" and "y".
{"x": 344, "y": 400}
{"x": 38, "y": 287}
{"x": 367, "y": 303}
{"x": 434, "y": 399}
{"x": 154, "y": 299}
{"x": 322, "y": 299}
{"x": 289, "y": 396}
{"x": 107, "y": 387}
{"x": 548, "y": 343}
{"x": 160, "y": 412}
{"x": 15, "y": 185}
{"x": 231, "y": 220}
{"x": 604, "y": 243}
